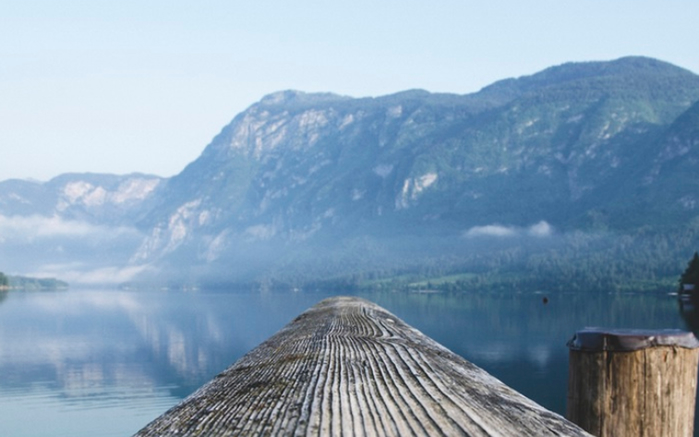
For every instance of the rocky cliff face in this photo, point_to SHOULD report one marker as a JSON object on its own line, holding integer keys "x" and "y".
{"x": 94, "y": 198}
{"x": 573, "y": 147}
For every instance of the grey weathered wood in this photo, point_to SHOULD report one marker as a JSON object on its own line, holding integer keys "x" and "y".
{"x": 348, "y": 367}
{"x": 633, "y": 383}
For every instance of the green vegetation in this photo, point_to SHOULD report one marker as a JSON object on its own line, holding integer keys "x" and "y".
{"x": 603, "y": 262}
{"x": 26, "y": 283}
{"x": 691, "y": 274}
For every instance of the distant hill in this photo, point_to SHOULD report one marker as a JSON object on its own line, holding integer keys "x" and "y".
{"x": 306, "y": 187}
{"x": 26, "y": 283}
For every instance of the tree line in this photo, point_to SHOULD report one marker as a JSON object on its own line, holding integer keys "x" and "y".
{"x": 645, "y": 260}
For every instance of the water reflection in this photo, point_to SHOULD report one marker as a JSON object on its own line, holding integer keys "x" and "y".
{"x": 81, "y": 353}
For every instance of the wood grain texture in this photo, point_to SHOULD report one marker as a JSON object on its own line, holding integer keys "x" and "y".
{"x": 348, "y": 367}
{"x": 649, "y": 392}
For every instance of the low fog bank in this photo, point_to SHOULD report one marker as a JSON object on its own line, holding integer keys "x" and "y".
{"x": 489, "y": 257}
{"x": 74, "y": 251}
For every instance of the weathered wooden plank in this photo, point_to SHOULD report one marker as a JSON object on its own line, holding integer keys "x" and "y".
{"x": 348, "y": 367}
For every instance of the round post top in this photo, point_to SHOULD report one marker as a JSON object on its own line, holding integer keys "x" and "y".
{"x": 598, "y": 339}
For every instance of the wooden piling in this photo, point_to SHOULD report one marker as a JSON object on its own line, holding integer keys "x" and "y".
{"x": 348, "y": 367}
{"x": 633, "y": 383}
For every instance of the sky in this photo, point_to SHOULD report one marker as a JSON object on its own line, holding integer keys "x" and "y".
{"x": 128, "y": 86}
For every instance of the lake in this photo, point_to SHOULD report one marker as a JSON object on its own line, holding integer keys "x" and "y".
{"x": 105, "y": 363}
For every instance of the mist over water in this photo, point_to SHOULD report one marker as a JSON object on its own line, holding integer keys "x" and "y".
{"x": 103, "y": 363}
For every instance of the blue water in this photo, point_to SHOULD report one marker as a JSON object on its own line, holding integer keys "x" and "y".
{"x": 105, "y": 363}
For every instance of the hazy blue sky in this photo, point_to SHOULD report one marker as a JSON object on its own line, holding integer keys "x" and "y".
{"x": 125, "y": 86}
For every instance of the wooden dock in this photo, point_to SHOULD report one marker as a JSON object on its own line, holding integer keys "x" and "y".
{"x": 348, "y": 367}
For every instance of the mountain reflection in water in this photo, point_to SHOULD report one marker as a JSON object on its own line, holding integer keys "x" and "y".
{"x": 104, "y": 363}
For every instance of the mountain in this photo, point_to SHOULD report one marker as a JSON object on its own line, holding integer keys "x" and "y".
{"x": 79, "y": 227}
{"x": 671, "y": 181}
{"x": 94, "y": 198}
{"x": 373, "y": 183}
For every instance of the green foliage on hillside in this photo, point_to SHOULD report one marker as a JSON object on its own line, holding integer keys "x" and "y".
{"x": 547, "y": 146}
{"x": 29, "y": 284}
{"x": 591, "y": 262}
{"x": 691, "y": 274}
{"x": 3, "y": 281}
{"x": 604, "y": 262}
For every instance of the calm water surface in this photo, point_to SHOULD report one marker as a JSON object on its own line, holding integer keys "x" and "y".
{"x": 105, "y": 363}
